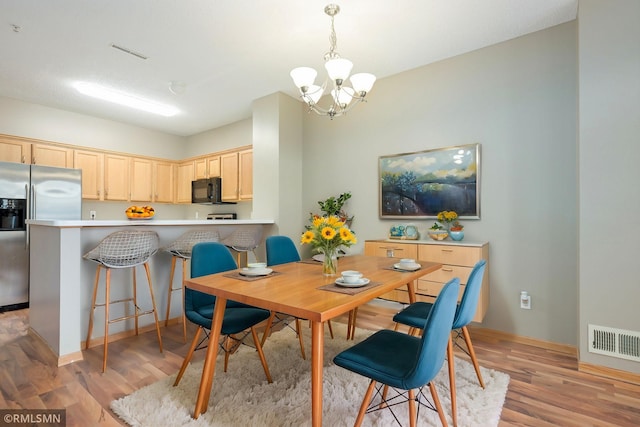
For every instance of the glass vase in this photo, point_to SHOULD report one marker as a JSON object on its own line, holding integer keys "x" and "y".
{"x": 330, "y": 262}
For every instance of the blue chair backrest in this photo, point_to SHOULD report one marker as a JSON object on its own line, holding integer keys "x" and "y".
{"x": 437, "y": 331}
{"x": 469, "y": 301}
{"x": 280, "y": 250}
{"x": 207, "y": 258}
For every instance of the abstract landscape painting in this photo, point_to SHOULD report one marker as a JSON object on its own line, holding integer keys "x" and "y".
{"x": 421, "y": 184}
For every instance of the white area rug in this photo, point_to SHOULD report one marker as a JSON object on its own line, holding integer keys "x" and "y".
{"x": 242, "y": 396}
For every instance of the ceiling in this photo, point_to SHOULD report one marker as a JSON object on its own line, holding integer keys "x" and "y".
{"x": 226, "y": 54}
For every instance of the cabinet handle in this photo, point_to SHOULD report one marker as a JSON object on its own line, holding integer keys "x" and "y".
{"x": 24, "y": 159}
{"x": 447, "y": 250}
{"x": 33, "y": 160}
{"x": 448, "y": 270}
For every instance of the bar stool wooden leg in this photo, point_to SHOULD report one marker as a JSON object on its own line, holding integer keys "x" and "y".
{"x": 136, "y": 310}
{"x": 106, "y": 320}
{"x": 153, "y": 304}
{"x": 184, "y": 317}
{"x": 173, "y": 270}
{"x": 93, "y": 307}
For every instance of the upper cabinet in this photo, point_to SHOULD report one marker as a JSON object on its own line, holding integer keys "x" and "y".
{"x": 164, "y": 181}
{"x": 185, "y": 174}
{"x": 14, "y": 150}
{"x": 116, "y": 177}
{"x": 92, "y": 165}
{"x": 141, "y": 180}
{"x": 236, "y": 170}
{"x": 51, "y": 155}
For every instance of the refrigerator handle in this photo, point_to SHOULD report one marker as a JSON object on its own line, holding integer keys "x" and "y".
{"x": 29, "y": 214}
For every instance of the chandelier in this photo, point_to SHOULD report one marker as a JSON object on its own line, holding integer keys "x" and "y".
{"x": 343, "y": 97}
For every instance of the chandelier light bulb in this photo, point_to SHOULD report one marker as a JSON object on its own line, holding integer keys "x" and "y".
{"x": 338, "y": 70}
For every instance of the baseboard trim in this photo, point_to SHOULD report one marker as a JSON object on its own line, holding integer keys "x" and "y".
{"x": 94, "y": 342}
{"x": 615, "y": 374}
{"x": 548, "y": 345}
{"x": 65, "y": 359}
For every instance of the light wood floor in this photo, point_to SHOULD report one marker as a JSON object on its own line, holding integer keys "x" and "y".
{"x": 546, "y": 388}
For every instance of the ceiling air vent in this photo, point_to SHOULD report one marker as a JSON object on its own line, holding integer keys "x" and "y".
{"x": 614, "y": 342}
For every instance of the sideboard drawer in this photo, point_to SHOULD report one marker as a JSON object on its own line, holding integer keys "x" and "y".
{"x": 450, "y": 254}
{"x": 391, "y": 250}
{"x": 448, "y": 272}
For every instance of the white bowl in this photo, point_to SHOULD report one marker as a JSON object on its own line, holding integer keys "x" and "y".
{"x": 407, "y": 261}
{"x": 351, "y": 276}
{"x": 256, "y": 265}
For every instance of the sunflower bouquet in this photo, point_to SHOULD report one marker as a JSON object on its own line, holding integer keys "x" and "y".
{"x": 327, "y": 234}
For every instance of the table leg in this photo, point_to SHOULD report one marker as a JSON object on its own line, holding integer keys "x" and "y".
{"x": 317, "y": 352}
{"x": 412, "y": 291}
{"x": 209, "y": 367}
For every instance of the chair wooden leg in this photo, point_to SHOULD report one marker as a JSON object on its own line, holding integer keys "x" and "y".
{"x": 351, "y": 326}
{"x": 173, "y": 270}
{"x": 106, "y": 319}
{"x": 93, "y": 307}
{"x": 330, "y": 328}
{"x": 228, "y": 345}
{"x": 365, "y": 404}
{"x": 153, "y": 304}
{"x": 300, "y": 338}
{"x": 436, "y": 402}
{"x": 385, "y": 391}
{"x": 267, "y": 329}
{"x": 472, "y": 353}
{"x": 187, "y": 358}
{"x": 413, "y": 415}
{"x": 263, "y": 360}
{"x": 452, "y": 382}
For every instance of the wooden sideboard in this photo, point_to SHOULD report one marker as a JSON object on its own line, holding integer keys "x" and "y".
{"x": 457, "y": 258}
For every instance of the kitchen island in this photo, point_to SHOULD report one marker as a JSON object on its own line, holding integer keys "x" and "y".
{"x": 61, "y": 281}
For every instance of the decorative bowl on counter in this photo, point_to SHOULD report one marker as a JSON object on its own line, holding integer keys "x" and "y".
{"x": 438, "y": 234}
{"x": 140, "y": 212}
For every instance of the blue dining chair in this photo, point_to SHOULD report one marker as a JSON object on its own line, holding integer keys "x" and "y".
{"x": 210, "y": 258}
{"x": 415, "y": 314}
{"x": 281, "y": 250}
{"x": 405, "y": 362}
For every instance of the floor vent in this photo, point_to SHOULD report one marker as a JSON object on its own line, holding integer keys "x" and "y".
{"x": 614, "y": 342}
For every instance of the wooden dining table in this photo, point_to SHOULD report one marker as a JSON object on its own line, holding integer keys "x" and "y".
{"x": 295, "y": 289}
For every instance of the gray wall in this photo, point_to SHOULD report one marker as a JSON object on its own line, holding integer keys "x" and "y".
{"x": 518, "y": 100}
{"x": 609, "y": 59}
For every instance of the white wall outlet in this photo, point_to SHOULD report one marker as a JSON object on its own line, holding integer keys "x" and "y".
{"x": 525, "y": 300}
{"x": 92, "y": 214}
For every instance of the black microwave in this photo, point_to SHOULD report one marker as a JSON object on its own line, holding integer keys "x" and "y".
{"x": 207, "y": 191}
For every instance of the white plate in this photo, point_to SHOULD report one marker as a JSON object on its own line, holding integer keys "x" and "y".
{"x": 359, "y": 283}
{"x": 255, "y": 271}
{"x": 407, "y": 267}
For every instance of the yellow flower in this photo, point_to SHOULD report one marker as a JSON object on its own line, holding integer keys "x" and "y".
{"x": 447, "y": 216}
{"x": 328, "y": 233}
{"x": 307, "y": 237}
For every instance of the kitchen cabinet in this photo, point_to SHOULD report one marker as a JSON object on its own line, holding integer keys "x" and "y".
{"x": 14, "y": 150}
{"x": 457, "y": 260}
{"x": 163, "y": 181}
{"x": 141, "y": 188}
{"x": 185, "y": 173}
{"x": 200, "y": 168}
{"x": 92, "y": 165}
{"x": 207, "y": 167}
{"x": 116, "y": 177}
{"x": 51, "y": 155}
{"x": 236, "y": 170}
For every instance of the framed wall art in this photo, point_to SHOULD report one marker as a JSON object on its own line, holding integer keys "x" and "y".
{"x": 421, "y": 184}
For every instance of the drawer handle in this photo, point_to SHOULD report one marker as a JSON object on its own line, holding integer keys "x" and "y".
{"x": 447, "y": 250}
{"x": 448, "y": 270}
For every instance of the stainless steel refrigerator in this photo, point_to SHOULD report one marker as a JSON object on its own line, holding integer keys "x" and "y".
{"x": 30, "y": 192}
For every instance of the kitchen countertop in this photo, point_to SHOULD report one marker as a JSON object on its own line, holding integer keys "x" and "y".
{"x": 144, "y": 222}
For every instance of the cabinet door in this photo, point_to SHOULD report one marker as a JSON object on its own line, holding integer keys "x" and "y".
{"x": 200, "y": 168}
{"x": 229, "y": 173}
{"x": 164, "y": 182}
{"x": 185, "y": 174}
{"x": 14, "y": 151}
{"x": 245, "y": 175}
{"x": 213, "y": 166}
{"x": 116, "y": 177}
{"x": 51, "y": 155}
{"x": 91, "y": 164}
{"x": 141, "y": 180}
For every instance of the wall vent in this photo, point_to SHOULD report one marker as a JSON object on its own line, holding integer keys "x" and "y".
{"x": 614, "y": 342}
